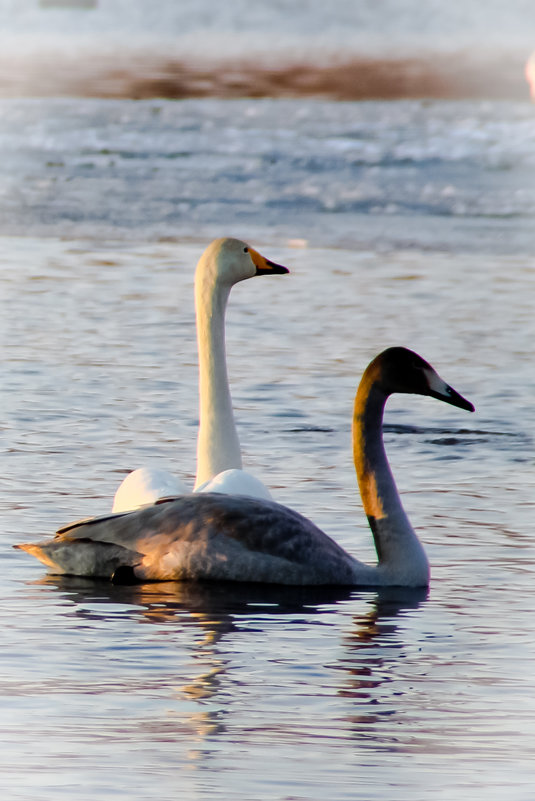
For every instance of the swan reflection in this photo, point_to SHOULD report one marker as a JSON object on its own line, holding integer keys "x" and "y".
{"x": 222, "y": 636}
{"x": 213, "y": 605}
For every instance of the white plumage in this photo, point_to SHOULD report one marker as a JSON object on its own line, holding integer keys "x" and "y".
{"x": 224, "y": 263}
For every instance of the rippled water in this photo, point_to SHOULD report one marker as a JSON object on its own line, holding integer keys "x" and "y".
{"x": 207, "y": 692}
{"x": 427, "y": 174}
{"x": 416, "y": 232}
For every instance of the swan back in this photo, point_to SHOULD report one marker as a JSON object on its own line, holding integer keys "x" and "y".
{"x": 202, "y": 536}
{"x": 236, "y": 482}
{"x": 146, "y": 485}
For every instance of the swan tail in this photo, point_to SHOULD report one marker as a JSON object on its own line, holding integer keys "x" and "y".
{"x": 82, "y": 557}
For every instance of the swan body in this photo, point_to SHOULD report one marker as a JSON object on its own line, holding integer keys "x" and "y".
{"x": 224, "y": 263}
{"x": 146, "y": 485}
{"x": 231, "y": 537}
{"x": 235, "y": 482}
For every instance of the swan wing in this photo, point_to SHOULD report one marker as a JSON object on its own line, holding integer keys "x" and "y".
{"x": 202, "y": 536}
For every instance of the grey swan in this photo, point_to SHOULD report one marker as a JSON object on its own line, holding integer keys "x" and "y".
{"x": 224, "y": 263}
{"x": 231, "y": 537}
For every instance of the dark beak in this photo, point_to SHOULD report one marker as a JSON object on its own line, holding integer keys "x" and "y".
{"x": 270, "y": 268}
{"x": 451, "y": 396}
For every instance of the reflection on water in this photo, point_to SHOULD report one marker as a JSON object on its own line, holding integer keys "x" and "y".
{"x": 212, "y": 605}
{"x": 225, "y": 632}
{"x": 310, "y": 684}
{"x": 216, "y": 611}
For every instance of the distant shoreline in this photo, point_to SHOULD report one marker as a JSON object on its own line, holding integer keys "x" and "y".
{"x": 459, "y": 75}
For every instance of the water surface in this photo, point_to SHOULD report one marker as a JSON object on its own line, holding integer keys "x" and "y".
{"x": 411, "y": 174}
{"x": 402, "y": 223}
{"x": 184, "y": 691}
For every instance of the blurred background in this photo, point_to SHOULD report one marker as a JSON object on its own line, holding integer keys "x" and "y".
{"x": 374, "y": 49}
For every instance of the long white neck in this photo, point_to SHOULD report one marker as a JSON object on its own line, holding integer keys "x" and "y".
{"x": 218, "y": 446}
{"x": 402, "y": 559}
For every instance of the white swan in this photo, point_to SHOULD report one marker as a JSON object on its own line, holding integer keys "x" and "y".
{"x": 226, "y": 537}
{"x": 219, "y": 462}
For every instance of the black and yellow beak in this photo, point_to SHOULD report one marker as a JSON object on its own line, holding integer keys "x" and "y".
{"x": 264, "y": 266}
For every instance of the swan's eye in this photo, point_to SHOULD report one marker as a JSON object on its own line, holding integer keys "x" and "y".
{"x": 246, "y": 250}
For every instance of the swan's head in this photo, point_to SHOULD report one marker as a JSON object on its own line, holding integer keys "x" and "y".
{"x": 402, "y": 370}
{"x": 228, "y": 261}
